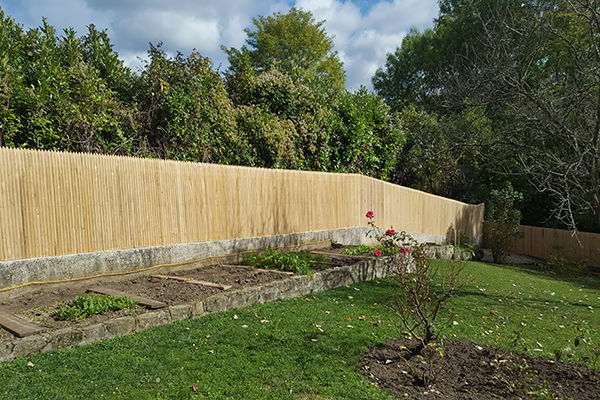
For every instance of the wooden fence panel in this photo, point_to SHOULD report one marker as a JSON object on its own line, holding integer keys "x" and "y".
{"x": 64, "y": 203}
{"x": 545, "y": 242}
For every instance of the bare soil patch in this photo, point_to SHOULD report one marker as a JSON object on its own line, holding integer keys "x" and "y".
{"x": 469, "y": 371}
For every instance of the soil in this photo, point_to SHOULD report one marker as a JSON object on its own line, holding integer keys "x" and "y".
{"x": 469, "y": 371}
{"x": 38, "y": 306}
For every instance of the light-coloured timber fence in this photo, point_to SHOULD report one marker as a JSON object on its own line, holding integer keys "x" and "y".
{"x": 546, "y": 242}
{"x": 63, "y": 203}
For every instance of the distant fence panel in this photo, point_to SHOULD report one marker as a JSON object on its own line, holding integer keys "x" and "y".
{"x": 545, "y": 242}
{"x": 64, "y": 203}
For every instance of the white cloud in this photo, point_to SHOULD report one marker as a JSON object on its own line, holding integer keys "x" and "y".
{"x": 363, "y": 36}
{"x": 364, "y": 40}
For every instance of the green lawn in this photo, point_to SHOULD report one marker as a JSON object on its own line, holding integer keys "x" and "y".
{"x": 308, "y": 347}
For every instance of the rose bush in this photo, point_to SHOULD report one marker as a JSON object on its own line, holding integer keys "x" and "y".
{"x": 416, "y": 300}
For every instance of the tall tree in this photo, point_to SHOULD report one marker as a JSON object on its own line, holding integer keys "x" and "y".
{"x": 530, "y": 68}
{"x": 294, "y": 43}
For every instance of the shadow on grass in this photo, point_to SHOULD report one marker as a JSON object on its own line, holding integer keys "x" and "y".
{"x": 589, "y": 281}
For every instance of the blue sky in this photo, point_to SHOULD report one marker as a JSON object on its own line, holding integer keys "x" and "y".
{"x": 365, "y": 30}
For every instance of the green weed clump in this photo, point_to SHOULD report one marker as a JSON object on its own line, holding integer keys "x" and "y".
{"x": 564, "y": 266}
{"x": 364, "y": 250}
{"x": 299, "y": 263}
{"x": 90, "y": 305}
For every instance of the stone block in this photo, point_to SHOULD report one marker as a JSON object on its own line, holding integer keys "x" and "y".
{"x": 180, "y": 312}
{"x": 29, "y": 345}
{"x": 152, "y": 319}
{"x": 93, "y": 333}
{"x": 121, "y": 326}
{"x": 216, "y": 303}
{"x": 6, "y": 351}
{"x": 62, "y": 339}
{"x": 198, "y": 309}
{"x": 243, "y": 297}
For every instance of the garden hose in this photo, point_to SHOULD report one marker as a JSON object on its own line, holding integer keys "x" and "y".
{"x": 157, "y": 266}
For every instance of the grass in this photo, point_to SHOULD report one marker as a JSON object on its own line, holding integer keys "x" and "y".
{"x": 307, "y": 347}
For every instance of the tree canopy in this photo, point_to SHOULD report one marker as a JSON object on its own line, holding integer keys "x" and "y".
{"x": 294, "y": 43}
{"x": 529, "y": 71}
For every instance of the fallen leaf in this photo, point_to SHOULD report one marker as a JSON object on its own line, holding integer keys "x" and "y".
{"x": 362, "y": 317}
{"x": 244, "y": 326}
{"x": 194, "y": 387}
{"x": 211, "y": 351}
{"x": 348, "y": 319}
{"x": 207, "y": 336}
{"x": 30, "y": 364}
{"x": 235, "y": 317}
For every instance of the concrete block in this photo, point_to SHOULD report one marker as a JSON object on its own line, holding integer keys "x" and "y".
{"x": 62, "y": 339}
{"x": 152, "y": 319}
{"x": 93, "y": 333}
{"x": 29, "y": 345}
{"x": 121, "y": 326}
{"x": 180, "y": 312}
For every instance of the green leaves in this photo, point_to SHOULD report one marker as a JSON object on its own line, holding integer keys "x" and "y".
{"x": 295, "y": 44}
{"x": 90, "y": 305}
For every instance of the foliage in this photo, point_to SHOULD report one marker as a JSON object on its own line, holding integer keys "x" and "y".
{"x": 185, "y": 110}
{"x": 294, "y": 43}
{"x": 299, "y": 263}
{"x": 365, "y": 136}
{"x": 502, "y": 220}
{"x": 530, "y": 69}
{"x": 53, "y": 96}
{"x": 363, "y": 250}
{"x": 565, "y": 264}
{"x": 415, "y": 298}
{"x": 89, "y": 305}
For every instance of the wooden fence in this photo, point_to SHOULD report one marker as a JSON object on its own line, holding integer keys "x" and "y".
{"x": 64, "y": 203}
{"x": 545, "y": 242}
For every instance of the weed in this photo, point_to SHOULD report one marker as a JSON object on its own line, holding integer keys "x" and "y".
{"x": 564, "y": 266}
{"x": 299, "y": 263}
{"x": 89, "y": 305}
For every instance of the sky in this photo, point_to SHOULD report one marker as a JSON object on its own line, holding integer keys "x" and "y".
{"x": 364, "y": 31}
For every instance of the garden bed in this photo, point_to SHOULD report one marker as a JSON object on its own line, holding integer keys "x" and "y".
{"x": 38, "y": 307}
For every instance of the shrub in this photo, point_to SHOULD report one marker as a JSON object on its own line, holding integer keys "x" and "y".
{"x": 415, "y": 301}
{"x": 90, "y": 305}
{"x": 299, "y": 263}
{"x": 502, "y": 220}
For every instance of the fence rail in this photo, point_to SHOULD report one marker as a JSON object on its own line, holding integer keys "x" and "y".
{"x": 545, "y": 242}
{"x": 64, "y": 203}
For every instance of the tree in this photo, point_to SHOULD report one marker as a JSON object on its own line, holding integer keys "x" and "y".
{"x": 52, "y": 96}
{"x": 184, "y": 110}
{"x": 294, "y": 43}
{"x": 531, "y": 69}
{"x": 536, "y": 74}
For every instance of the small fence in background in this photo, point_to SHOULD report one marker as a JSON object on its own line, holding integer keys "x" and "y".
{"x": 64, "y": 203}
{"x": 546, "y": 242}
